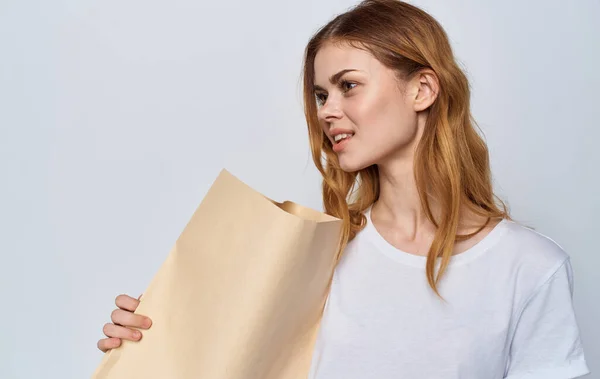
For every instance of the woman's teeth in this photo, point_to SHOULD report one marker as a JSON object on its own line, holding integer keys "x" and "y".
{"x": 339, "y": 137}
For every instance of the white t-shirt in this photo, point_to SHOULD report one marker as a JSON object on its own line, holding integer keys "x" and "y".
{"x": 508, "y": 312}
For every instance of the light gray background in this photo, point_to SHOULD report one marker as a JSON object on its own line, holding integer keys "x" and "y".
{"x": 116, "y": 117}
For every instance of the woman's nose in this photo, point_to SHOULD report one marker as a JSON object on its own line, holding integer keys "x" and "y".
{"x": 331, "y": 109}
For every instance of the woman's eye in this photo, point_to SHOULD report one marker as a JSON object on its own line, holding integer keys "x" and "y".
{"x": 346, "y": 85}
{"x": 321, "y": 98}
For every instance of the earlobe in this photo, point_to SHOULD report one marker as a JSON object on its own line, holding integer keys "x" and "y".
{"x": 422, "y": 99}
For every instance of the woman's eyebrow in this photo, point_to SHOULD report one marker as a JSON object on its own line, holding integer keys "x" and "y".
{"x": 334, "y": 78}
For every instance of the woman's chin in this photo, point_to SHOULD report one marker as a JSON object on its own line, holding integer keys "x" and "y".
{"x": 349, "y": 165}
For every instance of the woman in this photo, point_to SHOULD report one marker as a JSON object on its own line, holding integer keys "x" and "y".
{"x": 435, "y": 280}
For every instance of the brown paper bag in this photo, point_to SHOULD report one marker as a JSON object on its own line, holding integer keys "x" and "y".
{"x": 240, "y": 295}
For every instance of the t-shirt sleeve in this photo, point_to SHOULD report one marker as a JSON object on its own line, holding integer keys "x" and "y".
{"x": 546, "y": 342}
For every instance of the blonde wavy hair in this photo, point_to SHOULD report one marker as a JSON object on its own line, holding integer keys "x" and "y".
{"x": 451, "y": 164}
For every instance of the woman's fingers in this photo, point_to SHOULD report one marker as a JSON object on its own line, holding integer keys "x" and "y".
{"x": 126, "y": 318}
{"x": 121, "y": 332}
{"x": 124, "y": 321}
{"x": 107, "y": 344}
{"x": 127, "y": 302}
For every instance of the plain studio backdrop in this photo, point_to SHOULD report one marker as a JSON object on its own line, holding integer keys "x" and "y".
{"x": 117, "y": 116}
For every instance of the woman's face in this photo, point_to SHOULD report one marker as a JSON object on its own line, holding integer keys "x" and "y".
{"x": 367, "y": 103}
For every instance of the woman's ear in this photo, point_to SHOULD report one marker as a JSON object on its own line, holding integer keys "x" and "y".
{"x": 426, "y": 88}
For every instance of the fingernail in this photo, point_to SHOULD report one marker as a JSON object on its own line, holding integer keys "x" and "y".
{"x": 147, "y": 322}
{"x": 137, "y": 335}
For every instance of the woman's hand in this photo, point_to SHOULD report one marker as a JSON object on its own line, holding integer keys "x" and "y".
{"x": 124, "y": 320}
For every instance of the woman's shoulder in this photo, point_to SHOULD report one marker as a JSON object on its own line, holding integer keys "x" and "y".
{"x": 534, "y": 245}
{"x": 529, "y": 254}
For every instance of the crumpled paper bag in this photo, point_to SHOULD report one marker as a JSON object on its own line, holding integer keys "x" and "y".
{"x": 240, "y": 295}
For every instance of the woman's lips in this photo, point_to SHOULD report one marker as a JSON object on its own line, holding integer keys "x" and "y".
{"x": 340, "y": 145}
